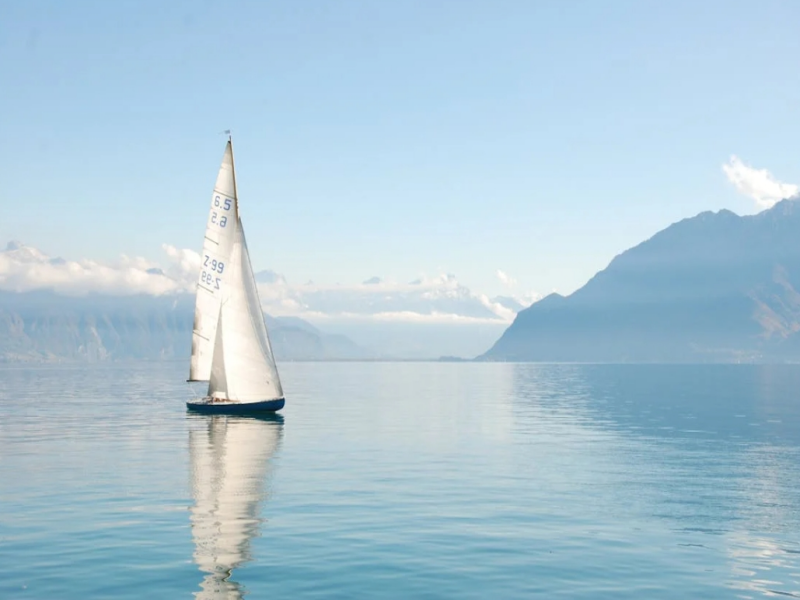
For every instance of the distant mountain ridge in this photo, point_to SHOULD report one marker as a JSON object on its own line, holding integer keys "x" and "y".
{"x": 715, "y": 287}
{"x": 42, "y": 326}
{"x": 422, "y": 319}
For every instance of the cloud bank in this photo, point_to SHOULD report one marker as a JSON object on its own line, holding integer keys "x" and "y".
{"x": 758, "y": 184}
{"x": 24, "y": 268}
{"x": 437, "y": 299}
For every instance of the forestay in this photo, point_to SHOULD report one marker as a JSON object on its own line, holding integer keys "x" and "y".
{"x": 220, "y": 230}
{"x": 243, "y": 367}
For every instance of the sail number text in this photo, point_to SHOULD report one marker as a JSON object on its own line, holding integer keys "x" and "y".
{"x": 209, "y": 279}
{"x": 224, "y": 204}
{"x": 221, "y": 221}
{"x": 216, "y": 265}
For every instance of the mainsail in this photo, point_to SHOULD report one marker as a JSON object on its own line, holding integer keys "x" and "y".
{"x": 229, "y": 459}
{"x": 223, "y": 217}
{"x": 243, "y": 367}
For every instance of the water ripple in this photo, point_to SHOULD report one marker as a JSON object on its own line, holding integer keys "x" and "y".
{"x": 420, "y": 480}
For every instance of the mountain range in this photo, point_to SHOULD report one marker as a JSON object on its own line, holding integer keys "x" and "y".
{"x": 716, "y": 287}
{"x": 43, "y": 326}
{"x": 421, "y": 319}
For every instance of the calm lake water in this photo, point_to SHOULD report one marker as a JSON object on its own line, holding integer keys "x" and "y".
{"x": 404, "y": 480}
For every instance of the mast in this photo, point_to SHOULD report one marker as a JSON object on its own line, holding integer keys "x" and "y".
{"x": 233, "y": 170}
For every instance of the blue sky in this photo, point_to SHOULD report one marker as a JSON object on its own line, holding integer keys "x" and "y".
{"x": 391, "y": 138}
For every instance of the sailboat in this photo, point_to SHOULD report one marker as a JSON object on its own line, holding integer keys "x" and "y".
{"x": 230, "y": 460}
{"x": 230, "y": 343}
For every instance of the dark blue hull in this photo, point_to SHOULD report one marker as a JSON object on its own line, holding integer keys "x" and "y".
{"x": 235, "y": 408}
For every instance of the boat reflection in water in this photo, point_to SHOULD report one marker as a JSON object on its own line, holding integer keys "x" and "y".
{"x": 230, "y": 461}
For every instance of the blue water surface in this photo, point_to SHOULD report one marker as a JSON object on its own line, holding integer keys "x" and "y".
{"x": 404, "y": 480}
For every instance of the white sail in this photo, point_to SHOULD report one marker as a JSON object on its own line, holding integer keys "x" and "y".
{"x": 243, "y": 368}
{"x": 220, "y": 231}
{"x": 229, "y": 461}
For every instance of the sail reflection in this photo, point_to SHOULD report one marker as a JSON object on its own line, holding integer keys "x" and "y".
{"x": 229, "y": 458}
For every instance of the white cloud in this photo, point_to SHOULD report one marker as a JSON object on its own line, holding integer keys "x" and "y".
{"x": 498, "y": 308}
{"x": 428, "y": 299}
{"x": 186, "y": 262}
{"x": 514, "y": 301}
{"x": 438, "y": 299}
{"x": 758, "y": 184}
{"x": 24, "y": 268}
{"x": 406, "y": 316}
{"x": 506, "y": 279}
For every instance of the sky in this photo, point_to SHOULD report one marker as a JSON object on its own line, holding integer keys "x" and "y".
{"x": 514, "y": 144}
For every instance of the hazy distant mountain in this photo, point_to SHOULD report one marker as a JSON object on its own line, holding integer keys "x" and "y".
{"x": 715, "y": 287}
{"x": 43, "y": 326}
{"x": 295, "y": 339}
{"x": 426, "y": 318}
{"x": 511, "y": 303}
